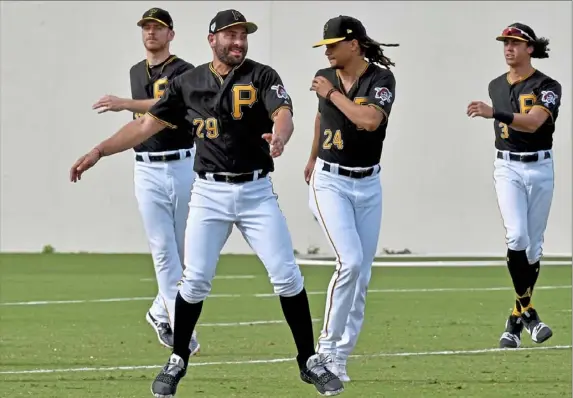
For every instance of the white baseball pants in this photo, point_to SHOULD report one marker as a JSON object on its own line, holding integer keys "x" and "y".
{"x": 253, "y": 207}
{"x": 349, "y": 211}
{"x": 163, "y": 192}
{"x": 524, "y": 194}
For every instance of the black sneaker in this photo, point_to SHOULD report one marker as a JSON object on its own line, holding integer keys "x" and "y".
{"x": 317, "y": 372}
{"x": 511, "y": 337}
{"x": 163, "y": 330}
{"x": 165, "y": 384}
{"x": 539, "y": 331}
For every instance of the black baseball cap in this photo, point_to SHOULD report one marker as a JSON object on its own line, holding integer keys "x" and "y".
{"x": 157, "y": 15}
{"x": 227, "y": 18}
{"x": 518, "y": 31}
{"x": 342, "y": 28}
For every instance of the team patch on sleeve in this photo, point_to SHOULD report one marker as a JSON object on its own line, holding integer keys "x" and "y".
{"x": 281, "y": 91}
{"x": 383, "y": 94}
{"x": 549, "y": 98}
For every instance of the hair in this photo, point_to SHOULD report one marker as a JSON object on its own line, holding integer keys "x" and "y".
{"x": 540, "y": 49}
{"x": 373, "y": 52}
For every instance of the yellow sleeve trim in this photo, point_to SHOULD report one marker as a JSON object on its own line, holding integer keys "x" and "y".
{"x": 385, "y": 119}
{"x": 278, "y": 110}
{"x": 545, "y": 109}
{"x": 166, "y": 124}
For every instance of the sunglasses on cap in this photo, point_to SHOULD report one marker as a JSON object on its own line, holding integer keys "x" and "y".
{"x": 514, "y": 33}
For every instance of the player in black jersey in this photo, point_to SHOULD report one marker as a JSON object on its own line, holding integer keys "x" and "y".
{"x": 163, "y": 173}
{"x": 355, "y": 97}
{"x": 525, "y": 106}
{"x": 232, "y": 104}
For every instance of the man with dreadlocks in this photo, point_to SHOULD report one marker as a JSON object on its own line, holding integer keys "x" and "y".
{"x": 525, "y": 105}
{"x": 355, "y": 97}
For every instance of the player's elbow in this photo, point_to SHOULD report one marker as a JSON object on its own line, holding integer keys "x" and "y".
{"x": 372, "y": 121}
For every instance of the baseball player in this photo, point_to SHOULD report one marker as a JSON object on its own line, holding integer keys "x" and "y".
{"x": 355, "y": 97}
{"x": 525, "y": 106}
{"x": 232, "y": 104}
{"x": 163, "y": 171}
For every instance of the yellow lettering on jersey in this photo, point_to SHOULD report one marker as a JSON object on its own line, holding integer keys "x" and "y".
{"x": 504, "y": 130}
{"x": 526, "y": 102}
{"x": 360, "y": 101}
{"x": 159, "y": 87}
{"x": 243, "y": 95}
{"x": 209, "y": 124}
{"x": 331, "y": 140}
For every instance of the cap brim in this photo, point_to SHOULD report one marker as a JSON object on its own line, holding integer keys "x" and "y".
{"x": 147, "y": 19}
{"x": 250, "y": 26}
{"x": 502, "y": 38}
{"x": 329, "y": 41}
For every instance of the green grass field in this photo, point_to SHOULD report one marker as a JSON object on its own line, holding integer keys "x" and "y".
{"x": 429, "y": 332}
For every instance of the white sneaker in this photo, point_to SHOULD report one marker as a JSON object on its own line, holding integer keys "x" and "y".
{"x": 340, "y": 367}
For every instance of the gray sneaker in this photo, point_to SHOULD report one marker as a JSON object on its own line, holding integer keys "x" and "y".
{"x": 163, "y": 330}
{"x": 318, "y": 372}
{"x": 165, "y": 384}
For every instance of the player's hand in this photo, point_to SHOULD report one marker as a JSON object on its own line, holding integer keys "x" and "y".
{"x": 84, "y": 163}
{"x": 109, "y": 103}
{"x": 478, "y": 108}
{"x": 308, "y": 170}
{"x": 321, "y": 85}
{"x": 276, "y": 143}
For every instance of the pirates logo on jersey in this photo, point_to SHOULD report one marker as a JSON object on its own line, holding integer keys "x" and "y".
{"x": 383, "y": 94}
{"x": 281, "y": 92}
{"x": 548, "y": 98}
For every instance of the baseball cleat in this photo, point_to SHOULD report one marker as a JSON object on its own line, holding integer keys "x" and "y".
{"x": 194, "y": 345}
{"x": 511, "y": 337}
{"x": 163, "y": 330}
{"x": 340, "y": 370}
{"x": 165, "y": 384}
{"x": 539, "y": 331}
{"x": 318, "y": 372}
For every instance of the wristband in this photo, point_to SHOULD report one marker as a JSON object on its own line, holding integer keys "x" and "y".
{"x": 504, "y": 117}
{"x": 332, "y": 90}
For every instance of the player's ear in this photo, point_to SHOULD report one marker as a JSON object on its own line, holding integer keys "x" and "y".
{"x": 171, "y": 35}
{"x": 211, "y": 39}
{"x": 530, "y": 49}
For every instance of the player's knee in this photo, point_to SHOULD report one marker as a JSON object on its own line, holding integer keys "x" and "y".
{"x": 290, "y": 285}
{"x": 518, "y": 240}
{"x": 351, "y": 264}
{"x": 533, "y": 253}
{"x": 194, "y": 291}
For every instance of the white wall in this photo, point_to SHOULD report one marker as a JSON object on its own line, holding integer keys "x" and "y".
{"x": 58, "y": 58}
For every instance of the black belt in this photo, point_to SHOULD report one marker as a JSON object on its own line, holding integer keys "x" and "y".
{"x": 526, "y": 157}
{"x": 351, "y": 173}
{"x": 164, "y": 158}
{"x": 233, "y": 179}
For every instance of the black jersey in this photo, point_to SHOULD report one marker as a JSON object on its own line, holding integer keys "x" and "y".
{"x": 536, "y": 90}
{"x": 341, "y": 141}
{"x": 149, "y": 82}
{"x": 228, "y": 115}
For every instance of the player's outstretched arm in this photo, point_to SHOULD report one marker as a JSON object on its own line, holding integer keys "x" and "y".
{"x": 130, "y": 135}
{"x": 284, "y": 127}
{"x": 116, "y": 104}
